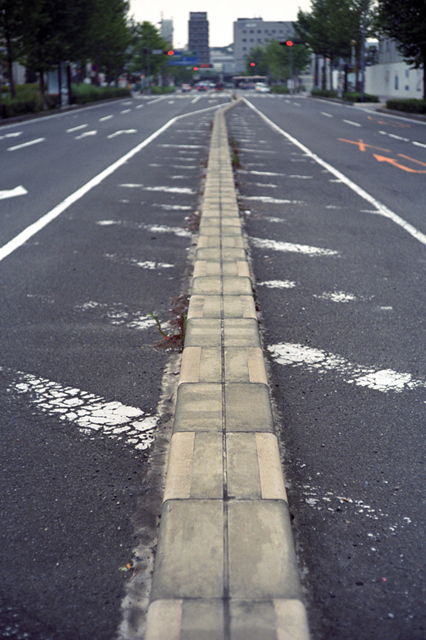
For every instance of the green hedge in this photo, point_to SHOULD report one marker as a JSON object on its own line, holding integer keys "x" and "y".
{"x": 278, "y": 88}
{"x": 408, "y": 105}
{"x": 84, "y": 93}
{"x": 159, "y": 90}
{"x": 323, "y": 93}
{"x": 356, "y": 97}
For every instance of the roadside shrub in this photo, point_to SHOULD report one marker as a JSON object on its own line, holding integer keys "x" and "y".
{"x": 323, "y": 93}
{"x": 355, "y": 96}
{"x": 408, "y": 105}
{"x": 279, "y": 88}
{"x": 159, "y": 90}
{"x": 84, "y": 93}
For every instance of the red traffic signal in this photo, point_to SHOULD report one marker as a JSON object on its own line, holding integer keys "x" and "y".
{"x": 289, "y": 43}
{"x": 170, "y": 53}
{"x": 252, "y": 64}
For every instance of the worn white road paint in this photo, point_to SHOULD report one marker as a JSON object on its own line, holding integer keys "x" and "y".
{"x": 80, "y": 126}
{"x": 173, "y": 207}
{"x": 12, "y": 193}
{"x": 178, "y": 231}
{"x": 277, "y": 284}
{"x": 90, "y": 413}
{"x": 322, "y": 362}
{"x": 182, "y": 146}
{"x": 289, "y": 247}
{"x": 118, "y": 315}
{"x": 336, "y": 296}
{"x": 86, "y": 134}
{"x": 142, "y": 264}
{"x": 381, "y": 208}
{"x": 120, "y": 133}
{"x": 171, "y": 189}
{"x": 266, "y": 185}
{"x": 269, "y": 199}
{"x": 26, "y": 144}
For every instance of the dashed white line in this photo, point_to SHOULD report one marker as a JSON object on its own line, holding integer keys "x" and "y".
{"x": 105, "y": 118}
{"x": 86, "y": 134}
{"x": 419, "y": 144}
{"x": 26, "y": 144}
{"x": 80, "y": 126}
{"x": 392, "y": 135}
{"x": 354, "y": 124}
{"x": 328, "y": 115}
{"x": 125, "y": 111}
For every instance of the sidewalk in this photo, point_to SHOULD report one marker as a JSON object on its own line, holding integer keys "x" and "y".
{"x": 225, "y": 565}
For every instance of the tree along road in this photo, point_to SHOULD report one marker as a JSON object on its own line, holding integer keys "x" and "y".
{"x": 333, "y": 200}
{"x": 97, "y": 211}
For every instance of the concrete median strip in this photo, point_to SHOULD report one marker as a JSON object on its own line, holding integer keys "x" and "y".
{"x": 225, "y": 567}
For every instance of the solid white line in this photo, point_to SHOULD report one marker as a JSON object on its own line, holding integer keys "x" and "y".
{"x": 26, "y": 144}
{"x": 354, "y": 124}
{"x": 42, "y": 222}
{"x": 381, "y": 208}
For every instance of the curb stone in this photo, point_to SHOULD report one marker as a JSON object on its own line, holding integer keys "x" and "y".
{"x": 225, "y": 566}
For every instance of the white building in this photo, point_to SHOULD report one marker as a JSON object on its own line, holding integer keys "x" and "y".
{"x": 256, "y": 33}
{"x": 392, "y": 77}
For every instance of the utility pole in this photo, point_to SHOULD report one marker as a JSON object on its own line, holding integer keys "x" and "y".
{"x": 364, "y": 20}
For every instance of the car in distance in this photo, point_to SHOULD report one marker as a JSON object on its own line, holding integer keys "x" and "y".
{"x": 261, "y": 87}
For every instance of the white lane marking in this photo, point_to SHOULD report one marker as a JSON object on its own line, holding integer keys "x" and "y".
{"x": 269, "y": 199}
{"x": 354, "y": 124}
{"x": 265, "y": 184}
{"x": 264, "y": 173}
{"x": 125, "y": 111}
{"x": 289, "y": 247}
{"x": 12, "y": 193}
{"x": 140, "y": 106}
{"x": 120, "y": 133}
{"x": 393, "y": 135}
{"x": 14, "y": 134}
{"x": 90, "y": 413}
{"x": 34, "y": 228}
{"x": 118, "y": 315}
{"x": 142, "y": 264}
{"x": 171, "y": 189}
{"x": 336, "y": 296}
{"x": 328, "y": 115}
{"x": 277, "y": 284}
{"x": 312, "y": 359}
{"x": 80, "y": 126}
{"x": 178, "y": 231}
{"x": 274, "y": 153}
{"x": 173, "y": 207}
{"x": 131, "y": 185}
{"x": 26, "y": 144}
{"x": 106, "y": 118}
{"x": 195, "y": 100}
{"x": 381, "y": 208}
{"x": 419, "y": 144}
{"x": 182, "y": 146}
{"x": 86, "y": 134}
{"x": 301, "y": 177}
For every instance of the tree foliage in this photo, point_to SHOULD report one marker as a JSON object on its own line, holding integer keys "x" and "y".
{"x": 333, "y": 27}
{"x": 274, "y": 60}
{"x": 147, "y": 38}
{"x": 405, "y": 22}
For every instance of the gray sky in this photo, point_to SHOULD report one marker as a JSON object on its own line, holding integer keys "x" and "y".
{"x": 220, "y": 13}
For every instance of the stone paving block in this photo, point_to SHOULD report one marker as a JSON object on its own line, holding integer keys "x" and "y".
{"x": 203, "y": 332}
{"x": 242, "y": 332}
{"x": 271, "y": 620}
{"x": 207, "y": 285}
{"x": 242, "y": 466}
{"x": 204, "y": 307}
{"x": 227, "y": 254}
{"x": 201, "y": 364}
{"x": 270, "y": 470}
{"x": 195, "y": 468}
{"x": 203, "y": 268}
{"x": 244, "y": 364}
{"x": 239, "y": 307}
{"x": 262, "y": 561}
{"x": 189, "y": 558}
{"x": 164, "y": 620}
{"x": 198, "y": 408}
{"x": 248, "y": 408}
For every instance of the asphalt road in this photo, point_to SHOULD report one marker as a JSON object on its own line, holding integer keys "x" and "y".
{"x": 113, "y": 191}
{"x": 333, "y": 199}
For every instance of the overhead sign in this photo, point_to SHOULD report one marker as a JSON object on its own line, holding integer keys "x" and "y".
{"x": 183, "y": 59}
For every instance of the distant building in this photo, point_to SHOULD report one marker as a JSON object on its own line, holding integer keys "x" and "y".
{"x": 167, "y": 31}
{"x": 222, "y": 59}
{"x": 256, "y": 33}
{"x": 392, "y": 77}
{"x": 198, "y": 35}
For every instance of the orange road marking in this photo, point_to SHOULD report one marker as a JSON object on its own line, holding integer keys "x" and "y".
{"x": 395, "y": 163}
{"x": 412, "y": 159}
{"x": 363, "y": 145}
{"x": 392, "y": 124}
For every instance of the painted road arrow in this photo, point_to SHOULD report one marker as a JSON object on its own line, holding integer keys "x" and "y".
{"x": 12, "y": 193}
{"x": 395, "y": 163}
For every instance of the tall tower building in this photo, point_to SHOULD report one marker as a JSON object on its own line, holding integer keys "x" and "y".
{"x": 198, "y": 35}
{"x": 167, "y": 31}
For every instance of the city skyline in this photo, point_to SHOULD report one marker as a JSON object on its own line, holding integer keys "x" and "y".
{"x": 221, "y": 15}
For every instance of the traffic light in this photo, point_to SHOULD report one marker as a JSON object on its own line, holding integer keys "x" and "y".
{"x": 290, "y": 43}
{"x": 170, "y": 53}
{"x": 252, "y": 64}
